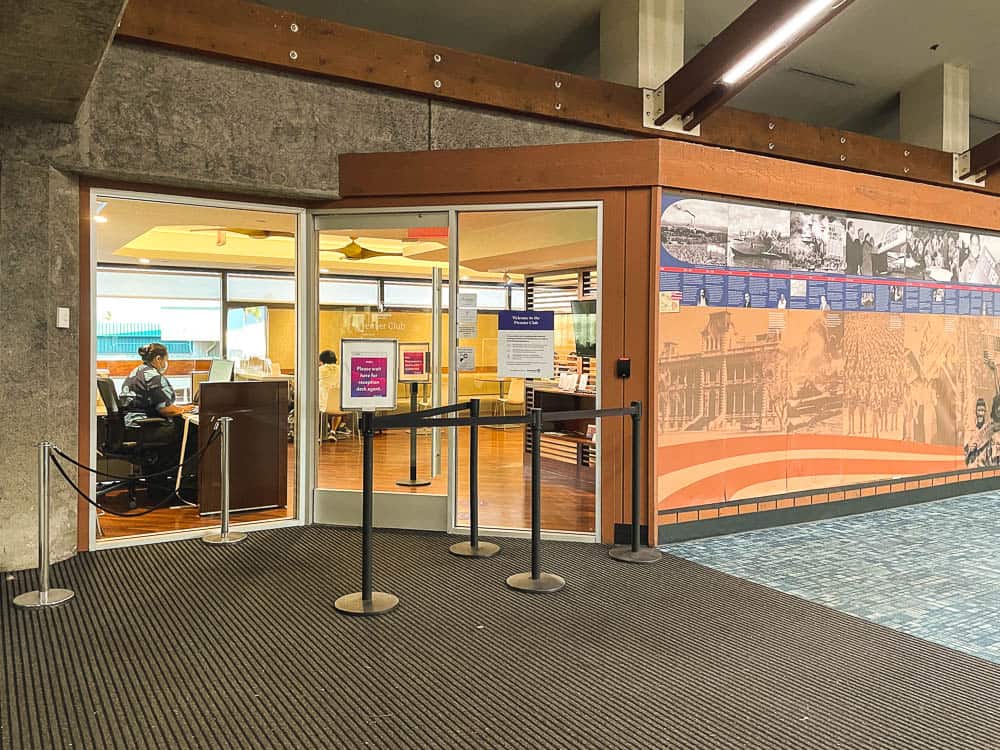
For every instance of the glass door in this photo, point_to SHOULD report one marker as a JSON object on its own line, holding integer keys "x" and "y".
{"x": 381, "y": 276}
{"x": 540, "y": 259}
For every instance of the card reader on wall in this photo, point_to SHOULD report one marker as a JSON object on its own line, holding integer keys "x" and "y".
{"x": 623, "y": 367}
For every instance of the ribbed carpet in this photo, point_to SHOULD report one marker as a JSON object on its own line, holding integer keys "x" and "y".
{"x": 189, "y": 646}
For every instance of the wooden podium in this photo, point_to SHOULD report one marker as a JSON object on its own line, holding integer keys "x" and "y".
{"x": 259, "y": 445}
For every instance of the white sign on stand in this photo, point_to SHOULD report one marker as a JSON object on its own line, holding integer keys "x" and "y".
{"x": 368, "y": 374}
{"x": 526, "y": 344}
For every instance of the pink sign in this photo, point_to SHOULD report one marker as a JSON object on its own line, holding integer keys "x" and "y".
{"x": 414, "y": 363}
{"x": 369, "y": 377}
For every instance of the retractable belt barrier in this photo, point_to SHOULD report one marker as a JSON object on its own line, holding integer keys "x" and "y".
{"x": 370, "y": 602}
{"x": 47, "y": 454}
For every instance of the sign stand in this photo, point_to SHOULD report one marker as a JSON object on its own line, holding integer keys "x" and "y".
{"x": 367, "y": 602}
{"x": 413, "y": 481}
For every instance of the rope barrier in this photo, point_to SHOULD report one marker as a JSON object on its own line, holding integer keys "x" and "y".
{"x": 62, "y": 471}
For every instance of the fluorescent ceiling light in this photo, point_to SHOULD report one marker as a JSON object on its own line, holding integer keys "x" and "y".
{"x": 777, "y": 40}
{"x": 101, "y": 219}
{"x": 144, "y": 261}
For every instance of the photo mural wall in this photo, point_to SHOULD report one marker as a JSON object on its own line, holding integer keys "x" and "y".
{"x": 802, "y": 350}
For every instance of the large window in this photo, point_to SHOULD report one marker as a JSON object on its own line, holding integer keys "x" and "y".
{"x": 183, "y": 310}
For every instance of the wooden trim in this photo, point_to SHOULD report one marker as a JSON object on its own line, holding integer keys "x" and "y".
{"x": 85, "y": 408}
{"x": 686, "y": 166}
{"x": 590, "y": 166}
{"x": 239, "y": 30}
{"x": 984, "y": 156}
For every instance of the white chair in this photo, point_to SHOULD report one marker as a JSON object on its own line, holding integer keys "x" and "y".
{"x": 514, "y": 397}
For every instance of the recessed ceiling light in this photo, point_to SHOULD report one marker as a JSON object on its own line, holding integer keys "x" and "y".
{"x": 144, "y": 261}
{"x": 101, "y": 219}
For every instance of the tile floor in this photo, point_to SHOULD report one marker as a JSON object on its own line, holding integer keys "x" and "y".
{"x": 931, "y": 570}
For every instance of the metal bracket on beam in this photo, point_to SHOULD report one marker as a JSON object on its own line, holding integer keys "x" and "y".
{"x": 652, "y": 107}
{"x": 962, "y": 171}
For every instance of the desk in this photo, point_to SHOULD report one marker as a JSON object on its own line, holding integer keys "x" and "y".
{"x": 565, "y": 447}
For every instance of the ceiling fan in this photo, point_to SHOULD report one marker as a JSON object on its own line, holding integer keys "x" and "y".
{"x": 254, "y": 234}
{"x": 353, "y": 251}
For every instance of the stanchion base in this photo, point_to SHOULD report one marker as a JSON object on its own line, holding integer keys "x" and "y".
{"x": 544, "y": 584}
{"x": 353, "y": 604}
{"x": 35, "y": 599}
{"x": 624, "y": 553}
{"x": 231, "y": 538}
{"x": 483, "y": 549}
{"x": 413, "y": 482}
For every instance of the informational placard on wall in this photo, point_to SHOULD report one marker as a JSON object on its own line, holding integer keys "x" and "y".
{"x": 368, "y": 374}
{"x": 525, "y": 344}
{"x": 414, "y": 363}
{"x": 467, "y": 315}
{"x": 466, "y": 358}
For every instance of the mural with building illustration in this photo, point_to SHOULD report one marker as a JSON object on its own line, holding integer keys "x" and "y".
{"x": 802, "y": 351}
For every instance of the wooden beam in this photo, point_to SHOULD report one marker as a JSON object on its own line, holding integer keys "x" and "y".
{"x": 694, "y": 91}
{"x": 239, "y": 30}
{"x": 983, "y": 156}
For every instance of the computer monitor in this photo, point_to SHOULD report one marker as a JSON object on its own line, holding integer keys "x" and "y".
{"x": 221, "y": 371}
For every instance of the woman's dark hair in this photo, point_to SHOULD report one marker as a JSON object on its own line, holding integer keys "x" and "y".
{"x": 327, "y": 357}
{"x": 149, "y": 352}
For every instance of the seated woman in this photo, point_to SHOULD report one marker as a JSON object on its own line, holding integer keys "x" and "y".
{"x": 146, "y": 392}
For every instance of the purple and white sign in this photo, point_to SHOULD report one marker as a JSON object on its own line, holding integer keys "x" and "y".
{"x": 526, "y": 344}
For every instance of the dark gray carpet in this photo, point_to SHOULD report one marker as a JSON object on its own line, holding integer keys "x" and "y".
{"x": 190, "y": 646}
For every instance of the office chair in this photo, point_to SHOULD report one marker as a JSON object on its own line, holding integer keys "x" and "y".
{"x": 132, "y": 444}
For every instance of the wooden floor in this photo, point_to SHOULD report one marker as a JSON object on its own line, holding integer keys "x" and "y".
{"x": 504, "y": 486}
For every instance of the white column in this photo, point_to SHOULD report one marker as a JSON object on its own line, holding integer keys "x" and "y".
{"x": 934, "y": 109}
{"x": 642, "y": 41}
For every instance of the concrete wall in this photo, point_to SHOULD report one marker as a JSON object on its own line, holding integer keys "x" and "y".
{"x": 156, "y": 116}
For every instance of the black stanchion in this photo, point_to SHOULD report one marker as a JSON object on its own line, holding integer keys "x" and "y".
{"x": 366, "y": 601}
{"x": 474, "y": 547}
{"x": 536, "y": 581}
{"x": 634, "y": 553}
{"x": 413, "y": 481}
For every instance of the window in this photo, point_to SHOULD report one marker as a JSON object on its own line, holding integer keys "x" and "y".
{"x": 398, "y": 294}
{"x": 181, "y": 310}
{"x": 280, "y": 289}
{"x": 344, "y": 292}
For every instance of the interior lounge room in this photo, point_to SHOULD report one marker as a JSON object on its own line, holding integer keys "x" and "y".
{"x": 219, "y": 286}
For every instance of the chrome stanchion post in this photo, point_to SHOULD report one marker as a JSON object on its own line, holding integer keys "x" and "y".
{"x": 474, "y": 547}
{"x": 633, "y": 552}
{"x": 366, "y": 601}
{"x": 44, "y": 596}
{"x": 225, "y": 536}
{"x": 536, "y": 581}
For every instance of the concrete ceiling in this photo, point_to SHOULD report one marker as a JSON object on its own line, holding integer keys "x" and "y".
{"x": 847, "y": 75}
{"x": 50, "y": 51}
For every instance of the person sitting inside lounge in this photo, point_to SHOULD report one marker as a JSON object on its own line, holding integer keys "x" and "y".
{"x": 329, "y": 394}
{"x": 146, "y": 392}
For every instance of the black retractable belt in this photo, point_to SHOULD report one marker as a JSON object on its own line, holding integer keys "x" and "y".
{"x": 536, "y": 581}
{"x": 413, "y": 481}
{"x": 367, "y": 602}
{"x": 633, "y": 553}
{"x": 474, "y": 547}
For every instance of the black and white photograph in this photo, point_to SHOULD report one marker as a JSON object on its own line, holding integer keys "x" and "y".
{"x": 818, "y": 242}
{"x": 933, "y": 254}
{"x": 759, "y": 237}
{"x": 896, "y": 293}
{"x": 982, "y": 263}
{"x": 695, "y": 231}
{"x": 875, "y": 248}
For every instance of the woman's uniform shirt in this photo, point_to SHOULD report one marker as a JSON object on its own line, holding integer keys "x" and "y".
{"x": 144, "y": 392}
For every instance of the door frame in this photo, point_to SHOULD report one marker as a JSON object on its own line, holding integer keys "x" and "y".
{"x": 453, "y": 210}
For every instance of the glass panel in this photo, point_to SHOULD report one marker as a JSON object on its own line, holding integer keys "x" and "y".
{"x": 145, "y": 293}
{"x": 408, "y": 295}
{"x": 344, "y": 292}
{"x": 261, "y": 289}
{"x": 401, "y": 252}
{"x": 551, "y": 266}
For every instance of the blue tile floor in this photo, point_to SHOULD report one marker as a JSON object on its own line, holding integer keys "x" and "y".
{"x": 931, "y": 570}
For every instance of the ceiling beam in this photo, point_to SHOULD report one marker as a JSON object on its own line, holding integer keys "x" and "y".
{"x": 243, "y": 31}
{"x": 982, "y": 157}
{"x": 697, "y": 89}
